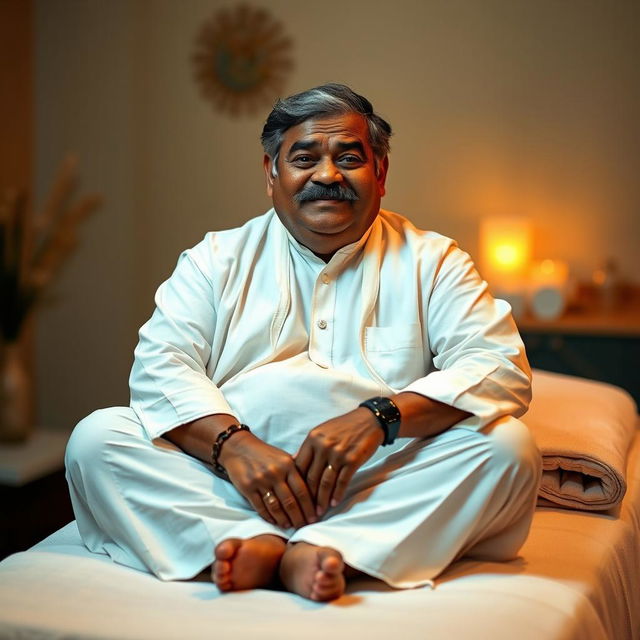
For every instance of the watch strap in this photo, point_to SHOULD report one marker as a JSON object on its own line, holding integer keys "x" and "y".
{"x": 388, "y": 416}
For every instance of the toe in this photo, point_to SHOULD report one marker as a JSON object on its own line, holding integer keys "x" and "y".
{"x": 221, "y": 574}
{"x": 225, "y": 552}
{"x": 323, "y": 579}
{"x": 331, "y": 562}
{"x": 227, "y": 549}
{"x": 221, "y": 577}
{"x": 224, "y": 585}
{"x": 221, "y": 569}
{"x": 328, "y": 582}
{"x": 326, "y": 592}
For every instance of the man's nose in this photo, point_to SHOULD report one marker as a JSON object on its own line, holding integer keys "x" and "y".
{"x": 326, "y": 172}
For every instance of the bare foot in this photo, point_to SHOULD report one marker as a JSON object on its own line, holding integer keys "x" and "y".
{"x": 313, "y": 572}
{"x": 247, "y": 564}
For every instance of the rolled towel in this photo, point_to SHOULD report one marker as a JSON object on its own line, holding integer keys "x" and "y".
{"x": 584, "y": 430}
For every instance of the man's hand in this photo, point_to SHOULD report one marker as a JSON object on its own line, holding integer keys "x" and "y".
{"x": 269, "y": 479}
{"x": 333, "y": 451}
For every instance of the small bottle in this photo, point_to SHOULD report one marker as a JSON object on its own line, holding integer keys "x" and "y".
{"x": 606, "y": 280}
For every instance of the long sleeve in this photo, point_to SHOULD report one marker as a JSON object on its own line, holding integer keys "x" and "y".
{"x": 478, "y": 355}
{"x": 169, "y": 380}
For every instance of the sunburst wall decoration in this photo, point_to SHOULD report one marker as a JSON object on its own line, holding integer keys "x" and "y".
{"x": 241, "y": 60}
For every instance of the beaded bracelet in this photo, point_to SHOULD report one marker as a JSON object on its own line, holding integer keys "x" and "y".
{"x": 223, "y": 436}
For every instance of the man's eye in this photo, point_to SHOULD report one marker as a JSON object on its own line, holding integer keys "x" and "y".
{"x": 302, "y": 160}
{"x": 351, "y": 160}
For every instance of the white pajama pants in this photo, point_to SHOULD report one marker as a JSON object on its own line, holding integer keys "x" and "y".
{"x": 404, "y": 519}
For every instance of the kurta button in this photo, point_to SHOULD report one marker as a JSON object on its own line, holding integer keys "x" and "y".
{"x": 325, "y": 278}
{"x": 322, "y": 324}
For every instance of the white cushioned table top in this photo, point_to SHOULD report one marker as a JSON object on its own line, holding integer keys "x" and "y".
{"x": 577, "y": 578}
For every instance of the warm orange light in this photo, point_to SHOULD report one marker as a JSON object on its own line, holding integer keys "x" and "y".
{"x": 549, "y": 272}
{"x": 505, "y": 250}
{"x": 508, "y": 256}
{"x": 547, "y": 267}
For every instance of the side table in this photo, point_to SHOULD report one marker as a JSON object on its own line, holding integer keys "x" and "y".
{"x": 33, "y": 490}
{"x": 592, "y": 343}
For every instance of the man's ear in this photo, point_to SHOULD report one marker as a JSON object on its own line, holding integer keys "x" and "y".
{"x": 267, "y": 163}
{"x": 383, "y": 167}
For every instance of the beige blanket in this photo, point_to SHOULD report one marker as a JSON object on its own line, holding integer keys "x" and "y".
{"x": 583, "y": 429}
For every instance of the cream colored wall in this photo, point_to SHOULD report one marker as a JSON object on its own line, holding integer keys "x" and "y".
{"x": 84, "y": 82}
{"x": 499, "y": 106}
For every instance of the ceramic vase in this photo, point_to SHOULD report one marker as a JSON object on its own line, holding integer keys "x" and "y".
{"x": 16, "y": 422}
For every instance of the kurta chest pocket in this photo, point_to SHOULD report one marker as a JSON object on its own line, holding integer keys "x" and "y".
{"x": 395, "y": 353}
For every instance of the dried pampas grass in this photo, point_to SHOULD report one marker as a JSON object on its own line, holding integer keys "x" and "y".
{"x": 33, "y": 248}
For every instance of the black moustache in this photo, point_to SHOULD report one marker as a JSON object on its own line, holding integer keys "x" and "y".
{"x": 326, "y": 192}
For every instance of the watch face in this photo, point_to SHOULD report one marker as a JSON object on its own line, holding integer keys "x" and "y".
{"x": 388, "y": 416}
{"x": 389, "y": 410}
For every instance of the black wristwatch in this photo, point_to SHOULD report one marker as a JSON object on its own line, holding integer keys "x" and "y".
{"x": 388, "y": 416}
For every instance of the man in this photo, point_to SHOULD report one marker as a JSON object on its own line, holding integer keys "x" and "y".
{"x": 322, "y": 392}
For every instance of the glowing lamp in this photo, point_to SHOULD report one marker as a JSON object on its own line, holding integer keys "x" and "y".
{"x": 505, "y": 251}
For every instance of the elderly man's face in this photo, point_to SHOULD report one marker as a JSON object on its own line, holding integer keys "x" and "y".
{"x": 327, "y": 191}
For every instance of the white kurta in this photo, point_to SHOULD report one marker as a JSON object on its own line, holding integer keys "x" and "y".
{"x": 253, "y": 324}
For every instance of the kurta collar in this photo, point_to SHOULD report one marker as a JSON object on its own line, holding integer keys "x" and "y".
{"x": 341, "y": 255}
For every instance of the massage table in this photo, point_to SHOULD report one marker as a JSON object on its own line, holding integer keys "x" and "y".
{"x": 576, "y": 578}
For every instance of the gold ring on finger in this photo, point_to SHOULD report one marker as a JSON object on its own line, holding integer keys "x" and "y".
{"x": 330, "y": 467}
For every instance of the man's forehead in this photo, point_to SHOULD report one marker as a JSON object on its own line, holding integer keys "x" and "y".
{"x": 338, "y": 128}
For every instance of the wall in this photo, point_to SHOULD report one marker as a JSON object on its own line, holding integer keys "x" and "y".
{"x": 16, "y": 89}
{"x": 499, "y": 106}
{"x": 84, "y": 103}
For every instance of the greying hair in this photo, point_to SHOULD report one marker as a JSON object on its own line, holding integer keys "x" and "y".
{"x": 325, "y": 100}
